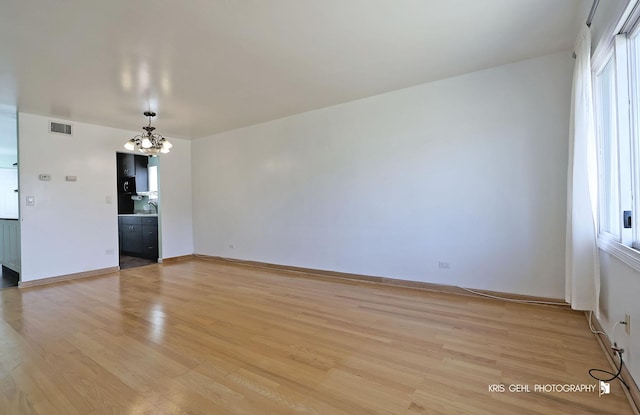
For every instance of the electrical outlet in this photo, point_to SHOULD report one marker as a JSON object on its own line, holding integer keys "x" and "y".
{"x": 444, "y": 265}
{"x": 627, "y": 323}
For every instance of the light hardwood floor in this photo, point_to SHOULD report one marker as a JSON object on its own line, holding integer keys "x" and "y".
{"x": 199, "y": 337}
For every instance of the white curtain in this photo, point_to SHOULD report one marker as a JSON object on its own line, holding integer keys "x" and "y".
{"x": 582, "y": 264}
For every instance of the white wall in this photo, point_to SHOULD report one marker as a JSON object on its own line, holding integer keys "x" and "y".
{"x": 470, "y": 170}
{"x": 176, "y": 223}
{"x": 71, "y": 226}
{"x": 620, "y": 285}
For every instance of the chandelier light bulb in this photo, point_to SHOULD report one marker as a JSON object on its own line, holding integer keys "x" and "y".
{"x": 130, "y": 145}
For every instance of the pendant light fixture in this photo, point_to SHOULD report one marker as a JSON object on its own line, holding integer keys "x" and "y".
{"x": 149, "y": 143}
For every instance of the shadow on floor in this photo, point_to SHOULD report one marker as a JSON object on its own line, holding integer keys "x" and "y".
{"x": 9, "y": 278}
{"x": 127, "y": 261}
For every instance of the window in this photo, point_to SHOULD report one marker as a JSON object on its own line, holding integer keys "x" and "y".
{"x": 607, "y": 149}
{"x": 634, "y": 148}
{"x": 616, "y": 89}
{"x": 153, "y": 179}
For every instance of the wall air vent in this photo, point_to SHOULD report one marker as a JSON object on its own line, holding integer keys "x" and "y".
{"x": 59, "y": 128}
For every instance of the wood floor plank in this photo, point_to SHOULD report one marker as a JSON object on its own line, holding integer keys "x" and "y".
{"x": 204, "y": 337}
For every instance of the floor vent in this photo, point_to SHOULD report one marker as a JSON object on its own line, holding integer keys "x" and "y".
{"x": 59, "y": 128}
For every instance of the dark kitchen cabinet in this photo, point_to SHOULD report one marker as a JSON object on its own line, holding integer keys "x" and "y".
{"x": 126, "y": 165}
{"x": 138, "y": 236}
{"x": 130, "y": 230}
{"x": 133, "y": 165}
{"x": 150, "y": 238}
{"x": 132, "y": 177}
{"x": 125, "y": 203}
{"x": 127, "y": 185}
{"x": 131, "y": 239}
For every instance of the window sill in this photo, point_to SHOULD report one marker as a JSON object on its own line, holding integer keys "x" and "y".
{"x": 624, "y": 253}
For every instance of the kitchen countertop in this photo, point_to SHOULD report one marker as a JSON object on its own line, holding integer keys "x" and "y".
{"x": 138, "y": 214}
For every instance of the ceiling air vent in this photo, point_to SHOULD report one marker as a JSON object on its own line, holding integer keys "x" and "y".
{"x": 59, "y": 128}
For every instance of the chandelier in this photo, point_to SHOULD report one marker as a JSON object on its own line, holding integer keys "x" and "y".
{"x": 149, "y": 142}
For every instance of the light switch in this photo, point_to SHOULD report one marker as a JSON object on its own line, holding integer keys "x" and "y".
{"x": 71, "y": 178}
{"x": 44, "y": 177}
{"x": 31, "y": 201}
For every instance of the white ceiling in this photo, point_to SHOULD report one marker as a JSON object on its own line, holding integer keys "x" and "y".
{"x": 212, "y": 65}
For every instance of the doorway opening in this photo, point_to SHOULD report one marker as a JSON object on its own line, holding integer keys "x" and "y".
{"x": 9, "y": 199}
{"x": 138, "y": 210}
